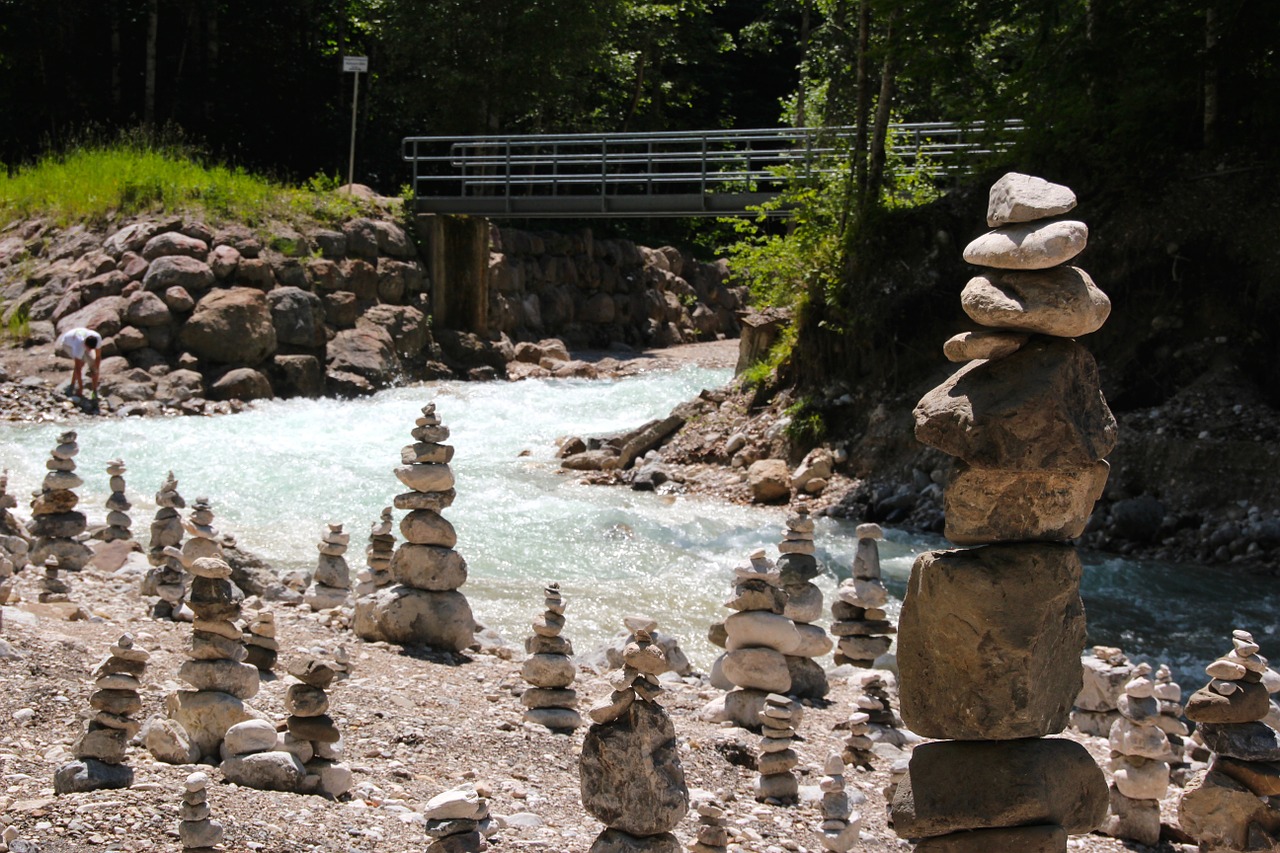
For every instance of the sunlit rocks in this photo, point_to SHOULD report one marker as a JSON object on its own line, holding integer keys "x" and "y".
{"x": 56, "y": 524}
{"x": 196, "y": 828}
{"x": 331, "y": 583}
{"x": 1063, "y": 302}
{"x": 859, "y": 622}
{"x": 990, "y": 504}
{"x": 840, "y": 824}
{"x": 1029, "y": 246}
{"x": 550, "y": 699}
{"x": 1026, "y": 198}
{"x": 115, "y": 703}
{"x": 458, "y": 821}
{"x": 796, "y": 566}
{"x": 776, "y": 757}
{"x": 165, "y": 578}
{"x": 378, "y": 554}
{"x": 1140, "y": 755}
{"x": 118, "y": 506}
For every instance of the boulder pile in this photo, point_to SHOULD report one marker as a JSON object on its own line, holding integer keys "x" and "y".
{"x": 990, "y": 642}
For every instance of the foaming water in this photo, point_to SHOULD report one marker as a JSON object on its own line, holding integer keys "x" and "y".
{"x": 278, "y": 473}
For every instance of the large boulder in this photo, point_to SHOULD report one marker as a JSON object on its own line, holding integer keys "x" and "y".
{"x": 103, "y": 316}
{"x": 769, "y": 481}
{"x": 145, "y": 309}
{"x": 630, "y": 772}
{"x": 408, "y": 616}
{"x": 995, "y": 505}
{"x": 367, "y": 351}
{"x": 298, "y": 376}
{"x": 1062, "y": 301}
{"x": 193, "y": 275}
{"x": 174, "y": 243}
{"x": 231, "y": 326}
{"x": 1219, "y": 812}
{"x": 406, "y": 326}
{"x": 298, "y": 317}
{"x": 241, "y": 383}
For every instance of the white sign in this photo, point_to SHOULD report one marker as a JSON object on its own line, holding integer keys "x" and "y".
{"x": 355, "y": 63}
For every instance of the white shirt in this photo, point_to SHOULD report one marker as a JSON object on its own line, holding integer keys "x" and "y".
{"x": 72, "y": 342}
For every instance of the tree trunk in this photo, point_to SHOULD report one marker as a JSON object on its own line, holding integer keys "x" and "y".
{"x": 862, "y": 108}
{"x": 1211, "y": 58}
{"x": 888, "y": 72}
{"x": 149, "y": 95}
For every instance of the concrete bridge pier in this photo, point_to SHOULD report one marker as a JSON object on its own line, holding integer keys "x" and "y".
{"x": 457, "y": 250}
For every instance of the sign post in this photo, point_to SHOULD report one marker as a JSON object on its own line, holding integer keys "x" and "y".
{"x": 355, "y": 64}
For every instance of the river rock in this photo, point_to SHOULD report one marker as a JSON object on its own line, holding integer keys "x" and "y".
{"x": 983, "y": 344}
{"x": 1016, "y": 197}
{"x": 1260, "y": 777}
{"x": 761, "y": 628}
{"x": 993, "y": 505}
{"x": 424, "y": 527}
{"x": 429, "y": 567}
{"x": 1063, "y": 302}
{"x": 1247, "y": 703}
{"x": 617, "y": 841}
{"x": 1030, "y": 245}
{"x": 206, "y": 715}
{"x": 425, "y": 477}
{"x": 89, "y": 774}
{"x": 230, "y": 326}
{"x": 630, "y": 771}
{"x": 769, "y": 480}
{"x": 441, "y": 620}
{"x": 759, "y": 669}
{"x": 265, "y": 771}
{"x": 1219, "y": 812}
{"x": 1023, "y": 839}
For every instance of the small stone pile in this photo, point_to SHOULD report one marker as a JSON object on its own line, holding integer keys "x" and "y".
{"x": 883, "y": 726}
{"x": 797, "y": 566}
{"x": 631, "y": 778}
{"x": 609, "y": 656}
{"x": 197, "y": 831}
{"x": 1106, "y": 671}
{"x": 118, "y": 506}
{"x": 841, "y": 826}
{"x": 55, "y": 522}
{"x": 331, "y": 585}
{"x": 758, "y": 637}
{"x": 551, "y": 701}
{"x": 14, "y": 547}
{"x": 858, "y": 618}
{"x": 253, "y": 756}
{"x": 459, "y": 821}
{"x": 377, "y": 554}
{"x": 858, "y": 747}
{"x": 777, "y": 759}
{"x": 1140, "y": 757}
{"x": 1169, "y": 694}
{"x": 100, "y": 751}
{"x": 424, "y": 607}
{"x": 309, "y": 721}
{"x": 1227, "y": 805}
{"x": 990, "y": 636}
{"x": 713, "y": 834}
{"x": 260, "y": 644}
{"x": 165, "y": 578}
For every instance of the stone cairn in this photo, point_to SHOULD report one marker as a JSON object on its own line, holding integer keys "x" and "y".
{"x": 377, "y": 554}
{"x": 551, "y": 700}
{"x": 841, "y": 826}
{"x": 255, "y": 755}
{"x": 859, "y": 745}
{"x": 1140, "y": 757}
{"x": 990, "y": 642}
{"x": 1169, "y": 694}
{"x": 331, "y": 585}
{"x": 13, "y": 542}
{"x": 858, "y": 617}
{"x": 797, "y": 566}
{"x": 1106, "y": 670}
{"x": 713, "y": 834}
{"x": 165, "y": 578}
{"x": 309, "y": 721}
{"x": 1225, "y": 806}
{"x": 677, "y": 661}
{"x": 424, "y": 607}
{"x": 631, "y": 778}
{"x": 56, "y": 523}
{"x": 260, "y": 643}
{"x": 100, "y": 751}
{"x": 197, "y": 832}
{"x": 776, "y": 758}
{"x": 758, "y": 637}
{"x": 118, "y": 506}
{"x": 459, "y": 821}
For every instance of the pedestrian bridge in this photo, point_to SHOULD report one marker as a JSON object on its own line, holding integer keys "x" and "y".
{"x": 698, "y": 173}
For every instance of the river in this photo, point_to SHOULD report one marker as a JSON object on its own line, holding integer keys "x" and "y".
{"x": 278, "y": 472}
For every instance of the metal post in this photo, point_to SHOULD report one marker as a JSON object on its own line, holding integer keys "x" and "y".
{"x": 351, "y": 162}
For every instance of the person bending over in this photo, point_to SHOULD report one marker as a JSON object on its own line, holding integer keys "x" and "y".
{"x": 81, "y": 345}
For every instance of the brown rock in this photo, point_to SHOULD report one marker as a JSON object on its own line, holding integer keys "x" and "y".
{"x": 1248, "y": 703}
{"x": 985, "y": 343}
{"x": 769, "y": 480}
{"x": 1023, "y": 839}
{"x": 990, "y": 641}
{"x": 230, "y": 326}
{"x": 1217, "y": 811}
{"x": 1134, "y": 820}
{"x": 429, "y": 567}
{"x": 1260, "y": 777}
{"x": 630, "y": 772}
{"x": 424, "y": 527}
{"x": 441, "y": 620}
{"x": 1063, "y": 302}
{"x": 994, "y": 505}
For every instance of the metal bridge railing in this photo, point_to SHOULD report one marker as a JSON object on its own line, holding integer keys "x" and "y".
{"x": 660, "y": 174}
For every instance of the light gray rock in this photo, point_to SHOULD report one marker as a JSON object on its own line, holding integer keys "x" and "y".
{"x": 407, "y": 616}
{"x": 249, "y": 737}
{"x": 630, "y": 772}
{"x": 983, "y": 344}
{"x": 1062, "y": 301}
{"x": 429, "y": 567}
{"x": 1024, "y": 198}
{"x": 265, "y": 771}
{"x": 1029, "y": 246}
{"x": 758, "y": 668}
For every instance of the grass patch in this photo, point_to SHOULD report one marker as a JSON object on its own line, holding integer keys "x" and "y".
{"x": 97, "y": 183}
{"x": 18, "y": 326}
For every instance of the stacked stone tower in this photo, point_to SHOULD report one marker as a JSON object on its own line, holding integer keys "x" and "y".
{"x": 777, "y": 758}
{"x": 100, "y": 751}
{"x": 797, "y": 566}
{"x": 424, "y": 607}
{"x": 165, "y": 578}
{"x": 858, "y": 618}
{"x": 1106, "y": 670}
{"x": 713, "y": 834}
{"x": 1229, "y": 806}
{"x": 378, "y": 554}
{"x": 990, "y": 642}
{"x": 840, "y": 825}
{"x": 118, "y": 506}
{"x": 331, "y": 585}
{"x": 459, "y": 821}
{"x": 1169, "y": 694}
{"x": 197, "y": 831}
{"x": 262, "y": 649}
{"x": 550, "y": 699}
{"x": 1140, "y": 756}
{"x": 56, "y": 523}
{"x": 309, "y": 721}
{"x": 630, "y": 771}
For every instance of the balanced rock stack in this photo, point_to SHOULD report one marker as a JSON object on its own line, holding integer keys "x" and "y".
{"x": 797, "y": 566}
{"x": 1226, "y": 806}
{"x": 197, "y": 831}
{"x": 459, "y": 822}
{"x": 758, "y": 637}
{"x": 611, "y": 653}
{"x": 551, "y": 700}
{"x": 1140, "y": 757}
{"x": 990, "y": 642}
{"x": 100, "y": 751}
{"x": 424, "y": 607}
{"x": 56, "y": 523}
{"x": 858, "y": 618}
{"x": 331, "y": 585}
{"x": 1169, "y": 694}
{"x": 309, "y": 721}
{"x": 260, "y": 644}
{"x": 840, "y": 826}
{"x": 1106, "y": 670}
{"x": 777, "y": 759}
{"x": 883, "y": 725}
{"x": 631, "y": 778}
{"x": 14, "y": 546}
{"x": 251, "y": 759}
{"x": 165, "y": 579}
{"x": 378, "y": 554}
{"x": 713, "y": 835}
{"x": 118, "y": 506}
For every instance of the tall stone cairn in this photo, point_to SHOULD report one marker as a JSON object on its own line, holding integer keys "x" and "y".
{"x": 858, "y": 618}
{"x": 776, "y": 758}
{"x": 631, "y": 778}
{"x": 118, "y": 506}
{"x": 1140, "y": 755}
{"x": 841, "y": 826}
{"x": 424, "y": 607}
{"x": 331, "y": 584}
{"x": 758, "y": 637}
{"x": 990, "y": 642}
{"x": 55, "y": 522}
{"x": 1106, "y": 670}
{"x": 713, "y": 834}
{"x": 377, "y": 555}
{"x": 261, "y": 647}
{"x": 550, "y": 700}
{"x": 804, "y": 606}
{"x": 165, "y": 578}
{"x": 197, "y": 831}
{"x": 309, "y": 721}
{"x": 1169, "y": 694}
{"x": 100, "y": 751}
{"x": 1225, "y": 807}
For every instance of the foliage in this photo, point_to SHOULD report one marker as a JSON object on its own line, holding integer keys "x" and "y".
{"x": 807, "y": 426}
{"x": 18, "y": 325}
{"x": 764, "y": 373}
